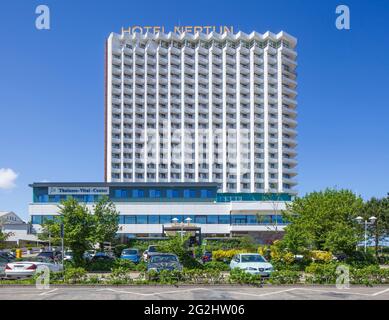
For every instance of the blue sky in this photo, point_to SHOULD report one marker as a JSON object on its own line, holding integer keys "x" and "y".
{"x": 52, "y": 86}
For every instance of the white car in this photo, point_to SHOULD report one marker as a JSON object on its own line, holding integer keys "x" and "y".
{"x": 252, "y": 263}
{"x": 22, "y": 269}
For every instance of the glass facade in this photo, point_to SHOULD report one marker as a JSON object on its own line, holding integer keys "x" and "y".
{"x": 163, "y": 193}
{"x": 136, "y": 194}
{"x": 197, "y": 219}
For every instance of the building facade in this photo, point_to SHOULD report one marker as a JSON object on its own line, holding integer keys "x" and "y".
{"x": 202, "y": 108}
{"x": 147, "y": 208}
{"x": 19, "y": 232}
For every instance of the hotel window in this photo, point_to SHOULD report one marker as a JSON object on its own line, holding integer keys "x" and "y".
{"x": 43, "y": 198}
{"x": 140, "y": 219}
{"x": 155, "y": 193}
{"x": 224, "y": 219}
{"x": 153, "y": 219}
{"x": 121, "y": 219}
{"x": 36, "y": 219}
{"x": 240, "y": 219}
{"x": 172, "y": 193}
{"x": 165, "y": 219}
{"x": 129, "y": 220}
{"x": 206, "y": 193}
{"x": 252, "y": 219}
{"x": 212, "y": 219}
{"x": 121, "y": 193}
{"x": 138, "y": 193}
{"x": 201, "y": 219}
{"x": 189, "y": 193}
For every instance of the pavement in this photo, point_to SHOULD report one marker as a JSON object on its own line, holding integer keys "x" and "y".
{"x": 198, "y": 293}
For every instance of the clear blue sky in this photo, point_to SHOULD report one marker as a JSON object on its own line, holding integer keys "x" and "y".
{"x": 52, "y": 86}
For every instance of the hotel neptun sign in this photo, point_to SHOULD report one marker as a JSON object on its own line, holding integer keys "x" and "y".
{"x": 178, "y": 29}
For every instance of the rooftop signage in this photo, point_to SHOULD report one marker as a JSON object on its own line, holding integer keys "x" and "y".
{"x": 178, "y": 29}
{"x": 78, "y": 190}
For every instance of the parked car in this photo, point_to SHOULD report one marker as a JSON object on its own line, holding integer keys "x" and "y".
{"x": 206, "y": 257}
{"x": 68, "y": 256}
{"x": 102, "y": 256}
{"x": 252, "y": 263}
{"x": 22, "y": 269}
{"x": 4, "y": 259}
{"x": 163, "y": 261}
{"x": 131, "y": 254}
{"x": 7, "y": 255}
{"x": 91, "y": 253}
{"x": 53, "y": 255}
{"x": 150, "y": 249}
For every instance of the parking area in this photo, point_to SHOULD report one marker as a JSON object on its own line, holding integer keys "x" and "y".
{"x": 194, "y": 293}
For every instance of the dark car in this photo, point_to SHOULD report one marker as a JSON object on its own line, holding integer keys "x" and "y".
{"x": 51, "y": 255}
{"x": 7, "y": 256}
{"x": 206, "y": 257}
{"x": 163, "y": 261}
{"x": 102, "y": 256}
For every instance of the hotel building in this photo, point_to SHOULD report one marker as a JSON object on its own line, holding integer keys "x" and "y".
{"x": 199, "y": 128}
{"x": 202, "y": 108}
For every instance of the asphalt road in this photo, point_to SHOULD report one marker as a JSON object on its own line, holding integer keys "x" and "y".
{"x": 194, "y": 293}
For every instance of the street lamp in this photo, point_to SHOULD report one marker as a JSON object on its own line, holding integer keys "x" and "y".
{"x": 175, "y": 220}
{"x": 370, "y": 221}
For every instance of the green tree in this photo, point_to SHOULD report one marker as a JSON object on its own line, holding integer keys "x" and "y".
{"x": 180, "y": 247}
{"x": 3, "y": 238}
{"x": 79, "y": 228}
{"x": 51, "y": 232}
{"x": 106, "y": 222}
{"x": 378, "y": 208}
{"x": 323, "y": 220}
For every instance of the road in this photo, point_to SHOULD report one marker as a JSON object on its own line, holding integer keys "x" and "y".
{"x": 194, "y": 293}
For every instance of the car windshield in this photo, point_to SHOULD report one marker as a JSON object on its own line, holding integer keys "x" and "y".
{"x": 130, "y": 251}
{"x": 152, "y": 249}
{"x": 163, "y": 258}
{"x": 46, "y": 254}
{"x": 253, "y": 258}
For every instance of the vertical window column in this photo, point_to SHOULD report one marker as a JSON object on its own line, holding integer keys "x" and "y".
{"x": 266, "y": 118}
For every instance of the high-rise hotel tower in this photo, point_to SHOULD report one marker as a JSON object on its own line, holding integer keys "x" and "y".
{"x": 202, "y": 108}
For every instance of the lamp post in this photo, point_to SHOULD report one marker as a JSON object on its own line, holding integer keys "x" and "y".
{"x": 175, "y": 221}
{"x": 366, "y": 222}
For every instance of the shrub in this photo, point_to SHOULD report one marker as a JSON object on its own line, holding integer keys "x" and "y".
{"x": 75, "y": 275}
{"x": 125, "y": 264}
{"x": 319, "y": 273}
{"x": 284, "y": 277}
{"x": 361, "y": 259}
{"x": 101, "y": 265}
{"x": 198, "y": 276}
{"x": 141, "y": 266}
{"x": 371, "y": 275}
{"x": 321, "y": 256}
{"x": 242, "y": 277}
{"x": 226, "y": 255}
{"x": 216, "y": 265}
